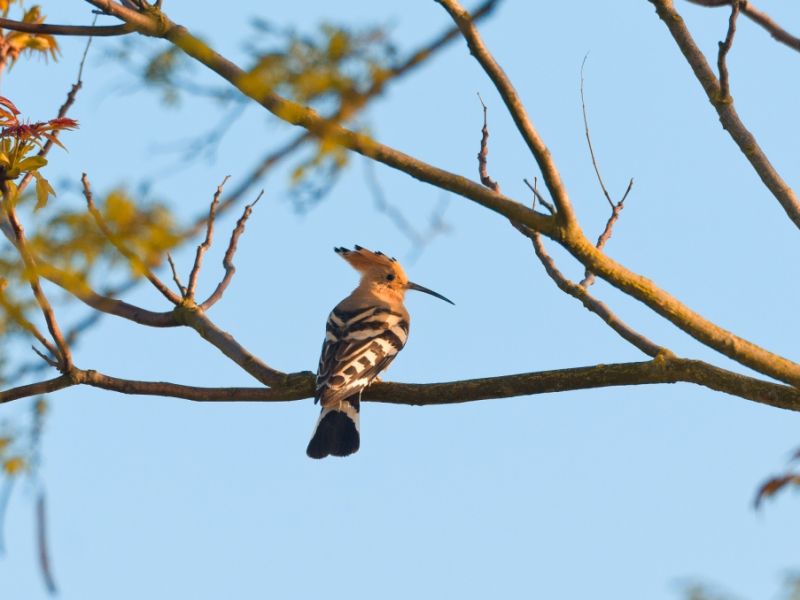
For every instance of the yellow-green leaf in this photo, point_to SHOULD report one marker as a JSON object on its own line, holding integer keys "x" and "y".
{"x": 32, "y": 163}
{"x": 43, "y": 190}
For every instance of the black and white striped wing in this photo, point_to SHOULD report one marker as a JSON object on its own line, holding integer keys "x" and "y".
{"x": 358, "y": 345}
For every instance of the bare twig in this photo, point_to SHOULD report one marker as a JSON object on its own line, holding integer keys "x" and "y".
{"x": 227, "y": 260}
{"x": 589, "y": 139}
{"x": 759, "y": 17}
{"x": 175, "y": 276}
{"x": 135, "y": 261}
{"x": 724, "y": 48}
{"x": 203, "y": 247}
{"x": 616, "y": 210}
{"x": 538, "y": 195}
{"x": 483, "y": 154}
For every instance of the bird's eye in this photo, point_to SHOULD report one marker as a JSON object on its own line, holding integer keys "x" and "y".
{"x": 390, "y": 277}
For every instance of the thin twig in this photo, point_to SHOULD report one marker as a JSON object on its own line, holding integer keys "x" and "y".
{"x": 175, "y": 276}
{"x": 589, "y": 140}
{"x": 538, "y": 195}
{"x": 203, "y": 247}
{"x": 616, "y": 210}
{"x": 724, "y": 48}
{"x": 483, "y": 154}
{"x": 227, "y": 260}
{"x": 135, "y": 261}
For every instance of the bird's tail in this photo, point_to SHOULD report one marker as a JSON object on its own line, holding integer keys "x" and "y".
{"x": 336, "y": 431}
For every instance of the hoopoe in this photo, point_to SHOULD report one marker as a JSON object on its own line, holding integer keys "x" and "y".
{"x": 364, "y": 333}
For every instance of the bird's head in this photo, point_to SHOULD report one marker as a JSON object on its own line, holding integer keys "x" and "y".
{"x": 381, "y": 274}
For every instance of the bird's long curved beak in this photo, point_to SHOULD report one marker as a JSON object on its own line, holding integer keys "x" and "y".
{"x": 413, "y": 286}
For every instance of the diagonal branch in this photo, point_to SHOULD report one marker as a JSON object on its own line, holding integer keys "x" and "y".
{"x": 727, "y": 113}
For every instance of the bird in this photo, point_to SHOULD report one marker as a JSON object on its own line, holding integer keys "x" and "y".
{"x": 363, "y": 334}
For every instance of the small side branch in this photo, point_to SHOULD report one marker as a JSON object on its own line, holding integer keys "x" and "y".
{"x": 484, "y": 153}
{"x": 227, "y": 261}
{"x": 724, "y": 48}
{"x": 616, "y": 208}
{"x": 203, "y": 247}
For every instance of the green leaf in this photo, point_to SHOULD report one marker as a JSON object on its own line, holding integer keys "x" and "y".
{"x": 32, "y": 163}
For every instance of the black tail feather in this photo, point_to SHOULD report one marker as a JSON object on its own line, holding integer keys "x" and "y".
{"x": 336, "y": 433}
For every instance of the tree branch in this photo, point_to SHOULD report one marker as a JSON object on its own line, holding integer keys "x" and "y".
{"x": 727, "y": 113}
{"x": 724, "y": 48}
{"x": 80, "y": 30}
{"x": 203, "y": 247}
{"x": 761, "y": 18}
{"x": 298, "y": 386}
{"x": 227, "y": 260}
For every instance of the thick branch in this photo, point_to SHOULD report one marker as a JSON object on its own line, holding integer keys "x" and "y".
{"x": 301, "y": 385}
{"x": 727, "y": 113}
{"x": 81, "y": 30}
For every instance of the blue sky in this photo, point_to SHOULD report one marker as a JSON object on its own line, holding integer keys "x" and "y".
{"x": 618, "y": 493}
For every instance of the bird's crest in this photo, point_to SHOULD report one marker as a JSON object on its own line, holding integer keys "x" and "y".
{"x": 368, "y": 262}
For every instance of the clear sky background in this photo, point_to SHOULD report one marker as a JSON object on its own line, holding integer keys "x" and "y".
{"x": 623, "y": 493}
